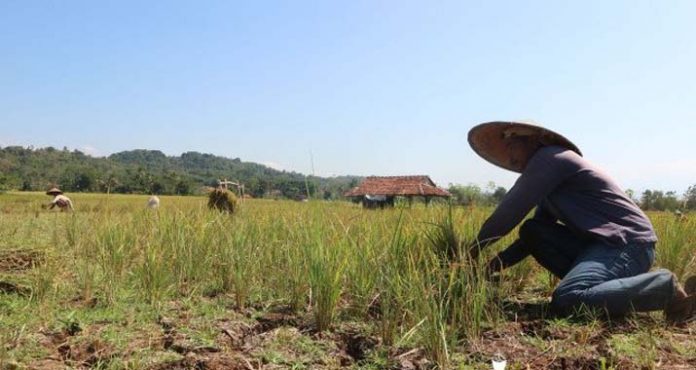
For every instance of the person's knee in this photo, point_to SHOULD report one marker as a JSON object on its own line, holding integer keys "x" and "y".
{"x": 569, "y": 301}
{"x": 664, "y": 277}
{"x": 574, "y": 291}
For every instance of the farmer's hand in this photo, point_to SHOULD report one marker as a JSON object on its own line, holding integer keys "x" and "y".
{"x": 494, "y": 265}
{"x": 493, "y": 269}
{"x": 474, "y": 250}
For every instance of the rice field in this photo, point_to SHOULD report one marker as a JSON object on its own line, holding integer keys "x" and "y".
{"x": 296, "y": 285}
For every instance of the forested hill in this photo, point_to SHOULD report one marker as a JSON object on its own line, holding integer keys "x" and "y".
{"x": 153, "y": 172}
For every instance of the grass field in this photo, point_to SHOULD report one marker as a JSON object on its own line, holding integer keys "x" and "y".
{"x": 280, "y": 284}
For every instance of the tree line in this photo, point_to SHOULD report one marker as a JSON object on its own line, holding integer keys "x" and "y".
{"x": 652, "y": 200}
{"x": 153, "y": 172}
{"x": 474, "y": 195}
{"x": 656, "y": 200}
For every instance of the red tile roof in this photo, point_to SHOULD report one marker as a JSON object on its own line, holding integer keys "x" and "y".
{"x": 398, "y": 185}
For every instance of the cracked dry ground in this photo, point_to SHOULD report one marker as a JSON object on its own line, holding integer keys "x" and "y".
{"x": 279, "y": 338}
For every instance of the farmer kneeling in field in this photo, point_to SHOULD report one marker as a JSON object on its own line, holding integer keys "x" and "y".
{"x": 585, "y": 230}
{"x": 60, "y": 200}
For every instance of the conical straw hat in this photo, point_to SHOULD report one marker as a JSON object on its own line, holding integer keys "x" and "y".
{"x": 489, "y": 141}
{"x": 54, "y": 191}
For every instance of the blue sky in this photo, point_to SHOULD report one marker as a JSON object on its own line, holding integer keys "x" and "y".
{"x": 366, "y": 87}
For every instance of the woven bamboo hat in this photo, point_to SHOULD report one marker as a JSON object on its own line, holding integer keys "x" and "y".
{"x": 490, "y": 139}
{"x": 54, "y": 191}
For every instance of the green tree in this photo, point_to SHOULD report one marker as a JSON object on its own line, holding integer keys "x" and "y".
{"x": 690, "y": 197}
{"x": 182, "y": 187}
{"x": 467, "y": 194}
{"x": 84, "y": 181}
{"x": 671, "y": 202}
{"x": 26, "y": 186}
{"x": 657, "y": 200}
{"x": 498, "y": 194}
{"x": 156, "y": 187}
{"x": 3, "y": 182}
{"x": 107, "y": 183}
{"x": 632, "y": 195}
{"x": 145, "y": 171}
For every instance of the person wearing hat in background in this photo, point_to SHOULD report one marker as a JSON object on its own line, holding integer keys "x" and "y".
{"x": 60, "y": 200}
{"x": 585, "y": 230}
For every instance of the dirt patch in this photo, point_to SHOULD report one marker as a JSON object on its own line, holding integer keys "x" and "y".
{"x": 555, "y": 345}
{"x": 355, "y": 343}
{"x": 68, "y": 348}
{"x": 276, "y": 317}
{"x": 574, "y": 363}
{"x": 413, "y": 359}
{"x": 168, "y": 332}
{"x": 13, "y": 260}
{"x": 177, "y": 342}
{"x": 47, "y": 364}
{"x": 278, "y": 337}
{"x": 536, "y": 345}
{"x": 235, "y": 334}
{"x": 86, "y": 354}
{"x": 8, "y": 287}
{"x": 216, "y": 361}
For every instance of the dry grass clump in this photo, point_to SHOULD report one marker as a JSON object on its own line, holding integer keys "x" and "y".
{"x": 223, "y": 200}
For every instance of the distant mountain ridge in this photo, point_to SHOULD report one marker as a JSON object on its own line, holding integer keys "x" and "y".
{"x": 152, "y": 172}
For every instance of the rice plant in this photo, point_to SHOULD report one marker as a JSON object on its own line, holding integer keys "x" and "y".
{"x": 405, "y": 271}
{"x": 326, "y": 267}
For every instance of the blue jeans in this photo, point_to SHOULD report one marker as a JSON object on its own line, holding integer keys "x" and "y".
{"x": 596, "y": 274}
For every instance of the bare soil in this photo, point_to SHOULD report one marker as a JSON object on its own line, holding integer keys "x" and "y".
{"x": 15, "y": 260}
{"x": 278, "y": 338}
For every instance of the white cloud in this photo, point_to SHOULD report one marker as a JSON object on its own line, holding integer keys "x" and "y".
{"x": 90, "y": 150}
{"x": 273, "y": 165}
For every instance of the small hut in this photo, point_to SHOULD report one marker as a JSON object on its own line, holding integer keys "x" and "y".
{"x": 381, "y": 191}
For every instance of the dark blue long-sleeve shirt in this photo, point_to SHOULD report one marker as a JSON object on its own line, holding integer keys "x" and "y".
{"x": 566, "y": 187}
